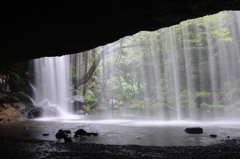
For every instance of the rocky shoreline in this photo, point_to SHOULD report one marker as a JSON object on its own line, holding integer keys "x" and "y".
{"x": 29, "y": 148}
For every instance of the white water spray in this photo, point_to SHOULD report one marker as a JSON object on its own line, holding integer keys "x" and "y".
{"x": 52, "y": 83}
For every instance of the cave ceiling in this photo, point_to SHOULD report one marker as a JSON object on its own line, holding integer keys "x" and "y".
{"x": 36, "y": 29}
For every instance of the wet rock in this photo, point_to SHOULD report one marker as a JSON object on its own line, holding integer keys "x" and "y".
{"x": 213, "y": 135}
{"x": 81, "y": 112}
{"x": 194, "y": 130}
{"x": 64, "y": 134}
{"x": 45, "y": 134}
{"x": 66, "y": 139}
{"x": 51, "y": 111}
{"x": 60, "y": 135}
{"x": 33, "y": 112}
{"x": 77, "y": 106}
{"x": 81, "y": 133}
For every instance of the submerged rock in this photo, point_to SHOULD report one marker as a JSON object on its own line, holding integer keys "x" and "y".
{"x": 213, "y": 135}
{"x": 194, "y": 130}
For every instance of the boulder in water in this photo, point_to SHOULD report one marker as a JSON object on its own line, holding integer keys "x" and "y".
{"x": 82, "y": 133}
{"x": 194, "y": 130}
{"x": 34, "y": 112}
{"x": 213, "y": 135}
{"x": 64, "y": 134}
{"x": 51, "y": 111}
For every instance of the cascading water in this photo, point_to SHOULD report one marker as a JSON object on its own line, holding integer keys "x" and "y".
{"x": 52, "y": 84}
{"x": 187, "y": 71}
{"x": 175, "y": 73}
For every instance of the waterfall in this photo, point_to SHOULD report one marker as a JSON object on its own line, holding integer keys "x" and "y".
{"x": 186, "y": 71}
{"x": 52, "y": 84}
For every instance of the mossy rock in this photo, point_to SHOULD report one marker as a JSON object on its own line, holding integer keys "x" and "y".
{"x": 14, "y": 99}
{"x": 23, "y": 97}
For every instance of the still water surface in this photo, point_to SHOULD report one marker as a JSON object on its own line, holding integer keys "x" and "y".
{"x": 125, "y": 130}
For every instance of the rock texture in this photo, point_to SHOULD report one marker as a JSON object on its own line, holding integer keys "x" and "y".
{"x": 11, "y": 114}
{"x": 35, "y": 29}
{"x": 29, "y": 149}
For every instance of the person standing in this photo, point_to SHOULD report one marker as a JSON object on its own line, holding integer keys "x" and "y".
{"x": 112, "y": 101}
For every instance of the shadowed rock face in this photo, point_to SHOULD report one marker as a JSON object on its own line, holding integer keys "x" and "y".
{"x": 35, "y": 29}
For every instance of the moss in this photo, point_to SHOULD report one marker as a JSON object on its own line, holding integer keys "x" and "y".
{"x": 23, "y": 97}
{"x": 14, "y": 99}
{"x": 17, "y": 82}
{"x": 211, "y": 107}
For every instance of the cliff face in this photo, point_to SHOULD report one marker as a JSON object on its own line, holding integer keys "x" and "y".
{"x": 35, "y": 29}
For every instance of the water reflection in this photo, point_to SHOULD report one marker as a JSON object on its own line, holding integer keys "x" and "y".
{"x": 124, "y": 131}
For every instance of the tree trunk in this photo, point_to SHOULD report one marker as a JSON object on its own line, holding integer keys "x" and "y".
{"x": 97, "y": 60}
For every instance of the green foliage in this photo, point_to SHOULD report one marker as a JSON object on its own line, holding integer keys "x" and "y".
{"x": 89, "y": 96}
{"x": 135, "y": 104}
{"x": 73, "y": 72}
{"x": 212, "y": 107}
{"x": 17, "y": 73}
{"x": 185, "y": 98}
{"x": 93, "y": 84}
{"x": 86, "y": 108}
{"x": 23, "y": 97}
{"x": 165, "y": 105}
{"x": 76, "y": 90}
{"x": 12, "y": 99}
{"x": 21, "y": 94}
{"x": 17, "y": 81}
{"x": 142, "y": 65}
{"x": 202, "y": 94}
{"x": 94, "y": 77}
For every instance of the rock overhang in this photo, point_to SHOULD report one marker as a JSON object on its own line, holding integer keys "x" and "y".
{"x": 31, "y": 30}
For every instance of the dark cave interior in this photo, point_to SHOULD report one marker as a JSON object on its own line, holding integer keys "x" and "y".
{"x": 36, "y": 29}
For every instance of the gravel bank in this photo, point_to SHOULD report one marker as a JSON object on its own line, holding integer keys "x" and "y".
{"x": 27, "y": 149}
